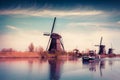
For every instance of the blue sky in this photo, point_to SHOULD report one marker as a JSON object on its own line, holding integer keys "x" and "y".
{"x": 80, "y": 22}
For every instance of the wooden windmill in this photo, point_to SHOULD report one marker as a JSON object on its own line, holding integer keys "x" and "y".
{"x": 55, "y": 43}
{"x": 101, "y": 47}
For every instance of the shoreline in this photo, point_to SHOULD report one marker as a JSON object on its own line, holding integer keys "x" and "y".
{"x": 46, "y": 55}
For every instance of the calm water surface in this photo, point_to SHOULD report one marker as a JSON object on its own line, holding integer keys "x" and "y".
{"x": 36, "y": 69}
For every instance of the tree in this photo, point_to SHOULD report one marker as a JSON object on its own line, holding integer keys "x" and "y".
{"x": 31, "y": 47}
{"x": 40, "y": 49}
{"x": 7, "y": 50}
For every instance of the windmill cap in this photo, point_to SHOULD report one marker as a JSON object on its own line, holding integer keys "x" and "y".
{"x": 55, "y": 35}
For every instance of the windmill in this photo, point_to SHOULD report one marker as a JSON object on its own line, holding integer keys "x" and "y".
{"x": 55, "y": 43}
{"x": 110, "y": 50}
{"x": 101, "y": 47}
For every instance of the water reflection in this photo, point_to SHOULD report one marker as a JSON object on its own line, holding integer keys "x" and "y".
{"x": 30, "y": 64}
{"x": 53, "y": 69}
{"x": 110, "y": 62}
{"x": 93, "y": 66}
{"x": 102, "y": 66}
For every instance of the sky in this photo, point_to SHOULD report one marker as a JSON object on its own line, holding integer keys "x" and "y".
{"x": 81, "y": 23}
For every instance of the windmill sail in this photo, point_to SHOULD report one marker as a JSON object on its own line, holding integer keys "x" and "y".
{"x": 53, "y": 25}
{"x": 101, "y": 47}
{"x": 61, "y": 41}
{"x": 101, "y": 40}
{"x": 51, "y": 33}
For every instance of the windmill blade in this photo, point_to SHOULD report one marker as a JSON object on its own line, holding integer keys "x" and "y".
{"x": 53, "y": 25}
{"x": 96, "y": 45}
{"x": 61, "y": 41}
{"x": 101, "y": 40}
{"x": 48, "y": 44}
{"x": 46, "y": 34}
{"x": 50, "y": 33}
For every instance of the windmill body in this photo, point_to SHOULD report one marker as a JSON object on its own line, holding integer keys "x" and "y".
{"x": 55, "y": 43}
{"x": 110, "y": 50}
{"x": 102, "y": 49}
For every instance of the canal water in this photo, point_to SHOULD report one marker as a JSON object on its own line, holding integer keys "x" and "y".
{"x": 72, "y": 69}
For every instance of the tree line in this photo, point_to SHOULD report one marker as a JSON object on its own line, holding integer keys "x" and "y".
{"x": 31, "y": 48}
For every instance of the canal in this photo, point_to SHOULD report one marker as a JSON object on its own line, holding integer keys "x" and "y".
{"x": 52, "y": 69}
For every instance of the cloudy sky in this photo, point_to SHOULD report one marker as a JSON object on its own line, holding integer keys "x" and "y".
{"x": 81, "y": 23}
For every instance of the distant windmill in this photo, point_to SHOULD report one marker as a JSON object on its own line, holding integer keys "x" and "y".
{"x": 110, "y": 50}
{"x": 55, "y": 43}
{"x": 101, "y": 47}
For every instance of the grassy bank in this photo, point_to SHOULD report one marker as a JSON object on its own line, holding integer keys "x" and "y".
{"x": 19, "y": 54}
{"x": 30, "y": 55}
